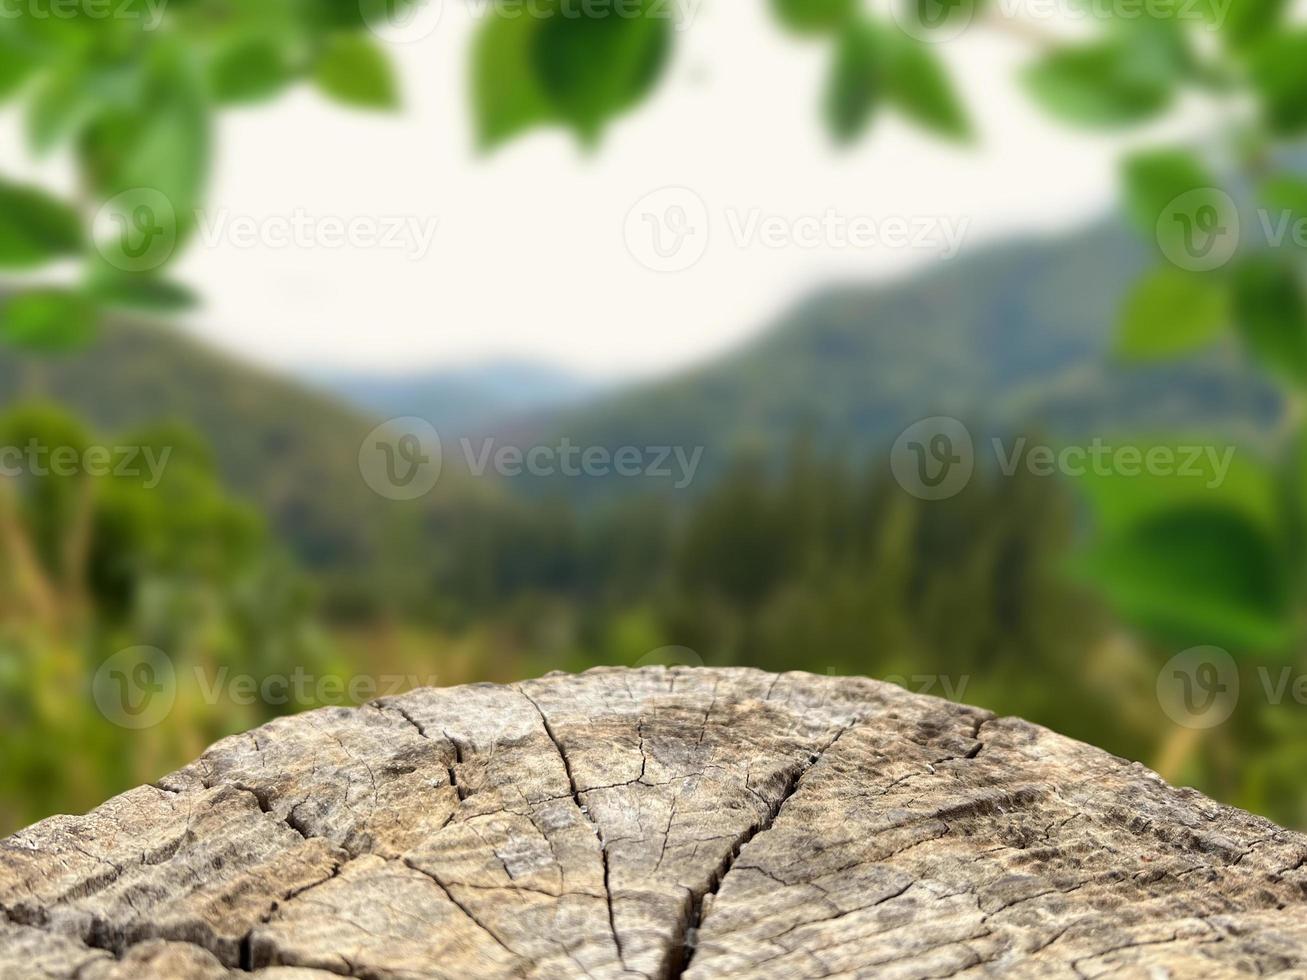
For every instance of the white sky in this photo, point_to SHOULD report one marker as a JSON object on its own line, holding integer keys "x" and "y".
{"x": 529, "y": 260}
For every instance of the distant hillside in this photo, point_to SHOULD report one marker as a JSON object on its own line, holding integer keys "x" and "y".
{"x": 289, "y": 450}
{"x": 1017, "y": 336}
{"x": 459, "y": 402}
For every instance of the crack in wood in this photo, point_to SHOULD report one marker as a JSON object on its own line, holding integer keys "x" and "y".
{"x": 752, "y": 842}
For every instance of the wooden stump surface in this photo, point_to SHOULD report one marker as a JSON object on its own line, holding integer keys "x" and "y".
{"x": 655, "y": 823}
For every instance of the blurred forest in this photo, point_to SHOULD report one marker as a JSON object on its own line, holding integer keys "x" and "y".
{"x": 260, "y": 551}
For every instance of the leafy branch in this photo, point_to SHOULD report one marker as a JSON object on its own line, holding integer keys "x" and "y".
{"x": 133, "y": 98}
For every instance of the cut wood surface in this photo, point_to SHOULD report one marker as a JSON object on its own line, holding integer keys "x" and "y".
{"x": 657, "y": 823}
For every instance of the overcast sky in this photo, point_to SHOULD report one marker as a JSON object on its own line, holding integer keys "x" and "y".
{"x": 534, "y": 252}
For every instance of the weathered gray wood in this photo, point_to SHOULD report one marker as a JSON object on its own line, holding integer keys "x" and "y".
{"x": 655, "y": 823}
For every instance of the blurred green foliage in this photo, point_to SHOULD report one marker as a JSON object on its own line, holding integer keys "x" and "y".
{"x": 95, "y": 562}
{"x": 818, "y": 567}
{"x": 131, "y": 91}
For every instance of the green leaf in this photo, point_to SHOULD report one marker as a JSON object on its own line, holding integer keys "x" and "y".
{"x": 47, "y": 320}
{"x": 1285, "y": 197}
{"x": 1279, "y": 74}
{"x": 354, "y": 71}
{"x": 507, "y": 97}
{"x": 1272, "y": 316}
{"x": 337, "y": 15}
{"x": 593, "y": 66}
{"x": 1171, "y": 312}
{"x": 16, "y": 64}
{"x": 141, "y": 292}
{"x": 1195, "y": 573}
{"x": 375, "y": 15}
{"x": 56, "y": 106}
{"x": 1247, "y": 21}
{"x": 1155, "y": 180}
{"x": 1121, "y": 495}
{"x": 1105, "y": 83}
{"x": 35, "y": 227}
{"x": 814, "y": 16}
{"x": 856, "y": 84}
{"x": 159, "y": 146}
{"x": 1286, "y": 192}
{"x": 872, "y": 66}
{"x": 248, "y": 70}
{"x": 917, "y": 84}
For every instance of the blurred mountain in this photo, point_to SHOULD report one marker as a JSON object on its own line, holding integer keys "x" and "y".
{"x": 289, "y": 450}
{"x": 460, "y": 402}
{"x": 275, "y": 442}
{"x": 1010, "y": 338}
{"x": 1016, "y": 337}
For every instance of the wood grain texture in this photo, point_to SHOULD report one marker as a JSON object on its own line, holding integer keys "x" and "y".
{"x": 655, "y": 823}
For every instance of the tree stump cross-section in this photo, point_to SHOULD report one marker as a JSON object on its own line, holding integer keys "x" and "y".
{"x": 655, "y": 823}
